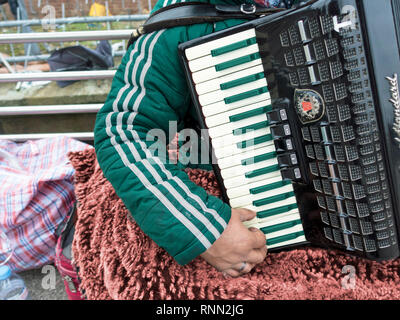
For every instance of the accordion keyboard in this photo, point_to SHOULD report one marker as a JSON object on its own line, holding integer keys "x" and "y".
{"x": 235, "y": 103}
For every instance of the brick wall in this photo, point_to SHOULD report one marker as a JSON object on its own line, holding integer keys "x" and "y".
{"x": 82, "y": 7}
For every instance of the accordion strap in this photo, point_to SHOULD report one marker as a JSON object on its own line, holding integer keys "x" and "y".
{"x": 190, "y": 13}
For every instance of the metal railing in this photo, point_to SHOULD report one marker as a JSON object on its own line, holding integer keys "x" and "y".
{"x": 50, "y": 109}
{"x": 64, "y": 36}
{"x": 45, "y": 57}
{"x": 56, "y": 76}
{"x": 84, "y": 136}
{"x": 24, "y": 23}
{"x": 58, "y": 21}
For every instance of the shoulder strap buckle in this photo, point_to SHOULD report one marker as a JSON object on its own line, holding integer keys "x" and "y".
{"x": 248, "y": 8}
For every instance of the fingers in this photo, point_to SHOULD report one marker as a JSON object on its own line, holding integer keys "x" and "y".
{"x": 231, "y": 273}
{"x": 243, "y": 268}
{"x": 258, "y": 238}
{"x": 238, "y": 270}
{"x": 256, "y": 256}
{"x": 245, "y": 215}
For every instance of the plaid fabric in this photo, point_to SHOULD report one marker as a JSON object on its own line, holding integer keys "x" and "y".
{"x": 36, "y": 194}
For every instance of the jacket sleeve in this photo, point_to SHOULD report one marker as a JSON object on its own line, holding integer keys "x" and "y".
{"x": 149, "y": 92}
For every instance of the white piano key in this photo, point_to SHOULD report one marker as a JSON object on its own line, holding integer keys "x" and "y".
{"x": 230, "y": 138}
{"x": 244, "y": 190}
{"x": 205, "y": 49}
{"x": 221, "y": 106}
{"x": 228, "y": 128}
{"x": 220, "y": 95}
{"x": 243, "y": 180}
{"x": 249, "y": 199}
{"x": 288, "y": 243}
{"x": 297, "y": 228}
{"x": 207, "y": 61}
{"x": 215, "y": 84}
{"x": 278, "y": 204}
{"x": 210, "y": 73}
{"x": 238, "y": 158}
{"x": 242, "y": 170}
{"x": 228, "y": 151}
{"x": 272, "y": 219}
{"x": 223, "y": 118}
{"x": 262, "y": 223}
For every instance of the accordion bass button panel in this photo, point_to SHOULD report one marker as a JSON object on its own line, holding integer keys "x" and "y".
{"x": 322, "y": 59}
{"x": 251, "y": 141}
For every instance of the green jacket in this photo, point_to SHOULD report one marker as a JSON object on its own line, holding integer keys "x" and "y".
{"x": 148, "y": 91}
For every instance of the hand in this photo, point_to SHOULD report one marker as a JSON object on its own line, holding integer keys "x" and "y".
{"x": 236, "y": 245}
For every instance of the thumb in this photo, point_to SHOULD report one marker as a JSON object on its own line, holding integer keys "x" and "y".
{"x": 245, "y": 214}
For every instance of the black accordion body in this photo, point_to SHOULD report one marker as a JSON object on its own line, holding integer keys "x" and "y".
{"x": 303, "y": 113}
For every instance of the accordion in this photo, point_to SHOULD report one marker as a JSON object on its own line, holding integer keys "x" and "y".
{"x": 302, "y": 110}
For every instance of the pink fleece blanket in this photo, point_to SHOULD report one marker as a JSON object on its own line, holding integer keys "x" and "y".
{"x": 116, "y": 260}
